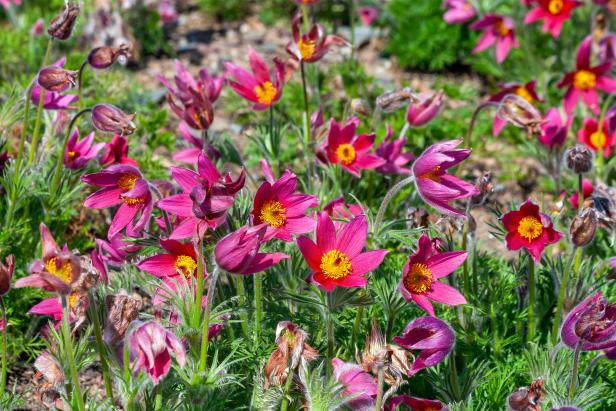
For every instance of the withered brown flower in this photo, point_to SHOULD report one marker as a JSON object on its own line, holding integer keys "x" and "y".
{"x": 48, "y": 393}
{"x": 527, "y": 398}
{"x": 62, "y": 25}
{"x": 394, "y": 100}
{"x": 519, "y": 112}
{"x": 583, "y": 227}
{"x": 122, "y": 310}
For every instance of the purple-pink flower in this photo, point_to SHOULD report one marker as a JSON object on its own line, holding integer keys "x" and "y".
{"x": 80, "y": 152}
{"x": 312, "y": 46}
{"x": 53, "y": 100}
{"x": 554, "y": 14}
{"x": 554, "y": 129}
{"x": 390, "y": 150}
{"x": 356, "y": 382}
{"x": 116, "y": 152}
{"x": 423, "y": 111}
{"x": 368, "y": 15}
{"x": 458, "y": 11}
{"x": 497, "y": 30}
{"x": 591, "y": 325}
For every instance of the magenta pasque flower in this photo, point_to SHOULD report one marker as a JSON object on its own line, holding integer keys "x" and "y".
{"x": 422, "y": 112}
{"x": 125, "y": 186}
{"x": 591, "y": 325}
{"x": 116, "y": 152}
{"x": 554, "y": 14}
{"x": 458, "y": 11}
{"x": 52, "y": 100}
{"x": 258, "y": 87}
{"x": 590, "y": 136}
{"x": 434, "y": 184}
{"x": 554, "y": 129}
{"x": 415, "y": 404}
{"x": 497, "y": 30}
{"x": 336, "y": 259}
{"x": 312, "y": 46}
{"x": 284, "y": 211}
{"x": 587, "y": 190}
{"x": 527, "y": 91}
{"x": 184, "y": 83}
{"x": 238, "y": 252}
{"x": 390, "y": 150}
{"x": 356, "y": 382}
{"x": 368, "y": 15}
{"x": 151, "y": 347}
{"x": 109, "y": 118}
{"x": 80, "y": 152}
{"x": 433, "y": 337}
{"x": 585, "y": 80}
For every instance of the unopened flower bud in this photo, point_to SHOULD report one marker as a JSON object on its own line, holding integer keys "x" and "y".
{"x": 57, "y": 79}
{"x": 395, "y": 100}
{"x": 425, "y": 110}
{"x": 109, "y": 118}
{"x": 360, "y": 106}
{"x": 579, "y": 159}
{"x": 527, "y": 398}
{"x": 103, "y": 57}
{"x": 62, "y": 25}
{"x": 6, "y": 274}
{"x": 583, "y": 227}
{"x": 519, "y": 112}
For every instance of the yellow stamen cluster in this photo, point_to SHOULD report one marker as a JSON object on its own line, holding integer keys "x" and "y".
{"x": 432, "y": 174}
{"x": 306, "y": 48}
{"x": 346, "y": 154}
{"x": 335, "y": 265}
{"x": 63, "y": 272}
{"x": 555, "y": 6}
{"x": 185, "y": 265}
{"x": 530, "y": 228}
{"x": 72, "y": 155}
{"x": 266, "y": 92}
{"x": 501, "y": 28}
{"x": 133, "y": 201}
{"x": 524, "y": 93}
{"x": 597, "y": 139}
{"x": 584, "y": 80}
{"x": 419, "y": 278}
{"x": 273, "y": 213}
{"x": 127, "y": 181}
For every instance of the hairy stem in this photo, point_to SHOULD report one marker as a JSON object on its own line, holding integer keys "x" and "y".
{"x": 4, "y": 343}
{"x": 531, "y": 298}
{"x": 100, "y": 345}
{"x": 574, "y": 371}
{"x": 258, "y": 283}
{"x": 241, "y": 293}
{"x": 206, "y": 320}
{"x": 379, "y": 388}
{"x": 388, "y": 197}
{"x": 39, "y": 112}
{"x": 24, "y": 126}
{"x": 68, "y": 345}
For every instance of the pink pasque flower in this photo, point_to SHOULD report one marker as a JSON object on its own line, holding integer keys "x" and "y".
{"x": 423, "y": 269}
{"x": 589, "y": 136}
{"x": 554, "y": 130}
{"x": 458, "y": 11}
{"x": 349, "y": 150}
{"x": 356, "y": 382}
{"x": 191, "y": 155}
{"x": 151, "y": 345}
{"x": 38, "y": 27}
{"x": 125, "y": 186}
{"x": 390, "y": 150}
{"x": 258, "y": 87}
{"x": 80, "y": 152}
{"x": 587, "y": 190}
{"x": 7, "y": 3}
{"x": 282, "y": 210}
{"x": 527, "y": 91}
{"x": 312, "y": 46}
{"x": 52, "y": 100}
{"x": 116, "y": 152}
{"x": 435, "y": 186}
{"x": 554, "y": 13}
{"x": 591, "y": 325}
{"x": 497, "y": 30}
{"x": 205, "y": 200}
{"x": 52, "y": 307}
{"x": 336, "y": 259}
{"x": 585, "y": 80}
{"x": 425, "y": 110}
{"x": 368, "y": 15}
{"x": 415, "y": 404}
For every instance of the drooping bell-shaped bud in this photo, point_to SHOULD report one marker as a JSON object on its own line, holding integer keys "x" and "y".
{"x": 395, "y": 100}
{"x": 579, "y": 159}
{"x": 583, "y": 227}
{"x": 103, "y": 57}
{"x": 6, "y": 274}
{"x": 62, "y": 25}
{"x": 360, "y": 106}
{"x": 519, "y": 112}
{"x": 109, "y": 118}
{"x": 57, "y": 79}
{"x": 527, "y": 398}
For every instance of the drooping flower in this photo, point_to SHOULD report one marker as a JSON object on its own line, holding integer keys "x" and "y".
{"x": 349, "y": 150}
{"x": 104, "y": 57}
{"x": 122, "y": 185}
{"x": 56, "y": 79}
{"x": 356, "y": 381}
{"x": 238, "y": 252}
{"x": 80, "y": 152}
{"x": 527, "y": 91}
{"x": 589, "y": 136}
{"x": 390, "y": 150}
{"x": 152, "y": 345}
{"x": 312, "y": 46}
{"x": 415, "y": 404}
{"x": 117, "y": 152}
{"x": 206, "y": 198}
{"x": 433, "y": 337}
{"x": 458, "y": 11}
{"x": 122, "y": 309}
{"x": 6, "y": 274}
{"x": 110, "y": 119}
{"x": 587, "y": 190}
{"x": 579, "y": 159}
{"x": 61, "y": 26}
{"x": 530, "y": 229}
{"x": 368, "y": 15}
{"x": 518, "y": 112}
{"x": 337, "y": 260}
{"x": 189, "y": 155}
{"x": 585, "y": 80}
{"x": 258, "y": 87}
{"x": 52, "y": 100}
{"x": 423, "y": 269}
{"x": 528, "y": 398}
{"x": 423, "y": 111}
{"x": 435, "y": 186}
{"x": 497, "y": 30}
{"x": 554, "y": 14}
{"x": 554, "y": 130}
{"x": 591, "y": 325}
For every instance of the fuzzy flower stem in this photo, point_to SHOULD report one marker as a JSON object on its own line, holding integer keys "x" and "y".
{"x": 307, "y": 137}
{"x": 273, "y": 144}
{"x": 531, "y": 298}
{"x": 241, "y": 293}
{"x": 559, "y": 304}
{"x": 39, "y": 112}
{"x": 580, "y": 192}
{"x": 127, "y": 376}
{"x": 379, "y": 388}
{"x": 158, "y": 398}
{"x": 200, "y": 278}
{"x": 388, "y": 197}
{"x": 287, "y": 386}
{"x": 80, "y": 82}
{"x": 466, "y": 277}
{"x": 405, "y": 128}
{"x": 471, "y": 127}
{"x": 24, "y": 127}
{"x": 330, "y": 335}
{"x": 258, "y": 283}
{"x": 68, "y": 345}
{"x": 356, "y": 324}
{"x": 206, "y": 320}
{"x": 4, "y": 342}
{"x": 574, "y": 371}
{"x": 100, "y": 346}
{"x": 56, "y": 175}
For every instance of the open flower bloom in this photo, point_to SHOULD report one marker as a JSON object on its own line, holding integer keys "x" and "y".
{"x": 423, "y": 111}
{"x": 554, "y": 129}
{"x": 238, "y": 252}
{"x": 530, "y": 229}
{"x": 586, "y": 80}
{"x": 152, "y": 346}
{"x": 205, "y": 200}
{"x": 390, "y": 150}
{"x": 349, "y": 150}
{"x": 184, "y": 83}
{"x": 291, "y": 350}
{"x": 415, "y": 404}
{"x": 337, "y": 260}
{"x": 77, "y": 303}
{"x": 497, "y": 30}
{"x": 80, "y": 152}
{"x": 423, "y": 269}
{"x": 591, "y": 325}
{"x": 312, "y": 46}
{"x": 122, "y": 185}
{"x": 258, "y": 87}
{"x": 587, "y": 190}
{"x": 554, "y": 14}
{"x": 358, "y": 382}
{"x": 57, "y": 271}
{"x": 590, "y": 136}
{"x": 527, "y": 91}
{"x": 116, "y": 152}
{"x": 53, "y": 100}
{"x": 433, "y": 337}
{"x": 435, "y": 186}
{"x": 368, "y": 15}
{"x": 283, "y": 210}
{"x": 458, "y": 11}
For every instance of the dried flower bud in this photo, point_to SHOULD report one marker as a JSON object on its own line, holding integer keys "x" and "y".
{"x": 527, "y": 399}
{"x": 123, "y": 309}
{"x": 57, "y": 79}
{"x": 519, "y": 112}
{"x": 395, "y": 100}
{"x": 107, "y": 117}
{"x": 583, "y": 227}
{"x": 103, "y": 57}
{"x": 360, "y": 106}
{"x": 62, "y": 25}
{"x": 579, "y": 159}
{"x": 6, "y": 274}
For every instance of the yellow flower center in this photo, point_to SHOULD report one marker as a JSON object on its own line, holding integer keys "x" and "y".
{"x": 530, "y": 228}
{"x": 72, "y": 300}
{"x": 346, "y": 154}
{"x": 419, "y": 278}
{"x": 127, "y": 181}
{"x": 63, "y": 272}
{"x": 524, "y": 93}
{"x": 501, "y": 28}
{"x": 133, "y": 201}
{"x": 432, "y": 174}
{"x": 290, "y": 339}
{"x": 584, "y": 80}
{"x": 266, "y": 92}
{"x": 306, "y": 48}
{"x": 72, "y": 155}
{"x": 598, "y": 140}
{"x": 185, "y": 265}
{"x": 273, "y": 213}
{"x": 555, "y": 6}
{"x": 335, "y": 265}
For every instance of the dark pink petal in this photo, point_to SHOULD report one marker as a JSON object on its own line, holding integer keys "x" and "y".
{"x": 368, "y": 261}
{"x": 445, "y": 294}
{"x": 352, "y": 237}
{"x": 444, "y": 264}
